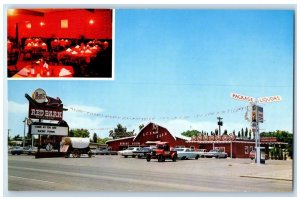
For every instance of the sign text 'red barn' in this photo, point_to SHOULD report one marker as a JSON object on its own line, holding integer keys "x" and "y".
{"x": 43, "y": 113}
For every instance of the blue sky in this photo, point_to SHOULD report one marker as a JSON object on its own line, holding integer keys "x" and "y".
{"x": 176, "y": 63}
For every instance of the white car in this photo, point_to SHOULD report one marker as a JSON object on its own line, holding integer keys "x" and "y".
{"x": 216, "y": 153}
{"x": 129, "y": 152}
{"x": 186, "y": 153}
{"x": 201, "y": 152}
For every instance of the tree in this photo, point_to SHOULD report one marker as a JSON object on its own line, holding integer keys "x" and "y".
{"x": 281, "y": 136}
{"x": 246, "y": 132}
{"x": 216, "y": 131}
{"x": 225, "y": 132}
{"x": 233, "y": 132}
{"x": 250, "y": 134}
{"x": 95, "y": 138}
{"x": 84, "y": 133}
{"x": 190, "y": 133}
{"x": 103, "y": 140}
{"x": 239, "y": 134}
{"x": 120, "y": 132}
{"x": 242, "y": 132}
{"x": 141, "y": 126}
{"x": 17, "y": 137}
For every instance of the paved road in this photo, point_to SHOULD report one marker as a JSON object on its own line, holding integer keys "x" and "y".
{"x": 117, "y": 174}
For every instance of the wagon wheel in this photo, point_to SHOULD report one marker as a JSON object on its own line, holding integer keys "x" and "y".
{"x": 76, "y": 153}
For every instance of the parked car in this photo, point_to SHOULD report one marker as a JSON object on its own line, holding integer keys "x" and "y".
{"x": 142, "y": 153}
{"x": 103, "y": 152}
{"x": 17, "y": 150}
{"x": 30, "y": 150}
{"x": 216, "y": 153}
{"x": 252, "y": 155}
{"x": 201, "y": 152}
{"x": 128, "y": 152}
{"x": 162, "y": 152}
{"x": 186, "y": 153}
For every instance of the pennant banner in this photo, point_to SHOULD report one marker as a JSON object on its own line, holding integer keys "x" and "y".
{"x": 108, "y": 116}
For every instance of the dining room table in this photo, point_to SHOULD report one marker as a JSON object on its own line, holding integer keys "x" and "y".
{"x": 60, "y": 42}
{"x": 41, "y": 71}
{"x": 34, "y": 45}
{"x": 78, "y": 52}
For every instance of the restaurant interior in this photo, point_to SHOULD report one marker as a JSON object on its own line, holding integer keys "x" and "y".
{"x": 59, "y": 43}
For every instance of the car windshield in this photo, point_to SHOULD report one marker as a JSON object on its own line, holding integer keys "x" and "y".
{"x": 130, "y": 148}
{"x": 160, "y": 146}
{"x": 179, "y": 149}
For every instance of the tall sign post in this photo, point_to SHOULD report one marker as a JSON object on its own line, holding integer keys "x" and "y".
{"x": 256, "y": 115}
{"x": 220, "y": 123}
{"x": 43, "y": 107}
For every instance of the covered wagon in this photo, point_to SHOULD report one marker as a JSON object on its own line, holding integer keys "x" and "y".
{"x": 75, "y": 146}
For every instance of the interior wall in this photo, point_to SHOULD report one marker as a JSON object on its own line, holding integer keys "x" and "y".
{"x": 78, "y": 25}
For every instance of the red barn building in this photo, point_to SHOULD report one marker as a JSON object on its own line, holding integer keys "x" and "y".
{"x": 152, "y": 133}
{"x": 149, "y": 135}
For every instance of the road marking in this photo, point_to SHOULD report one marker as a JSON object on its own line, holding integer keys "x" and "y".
{"x": 34, "y": 179}
{"x": 262, "y": 177}
{"x": 181, "y": 187}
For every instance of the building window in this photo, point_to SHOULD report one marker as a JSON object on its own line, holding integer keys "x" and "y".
{"x": 246, "y": 150}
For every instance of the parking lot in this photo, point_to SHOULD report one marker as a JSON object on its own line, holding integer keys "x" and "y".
{"x": 103, "y": 173}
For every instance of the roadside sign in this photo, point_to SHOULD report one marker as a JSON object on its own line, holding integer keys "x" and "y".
{"x": 260, "y": 114}
{"x": 242, "y": 97}
{"x": 48, "y": 129}
{"x": 254, "y": 114}
{"x": 269, "y": 99}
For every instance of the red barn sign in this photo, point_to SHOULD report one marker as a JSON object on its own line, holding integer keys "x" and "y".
{"x": 45, "y": 113}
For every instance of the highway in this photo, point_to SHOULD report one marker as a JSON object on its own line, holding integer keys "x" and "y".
{"x": 117, "y": 174}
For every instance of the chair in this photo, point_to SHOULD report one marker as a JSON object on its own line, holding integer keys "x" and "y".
{"x": 12, "y": 59}
{"x": 37, "y": 53}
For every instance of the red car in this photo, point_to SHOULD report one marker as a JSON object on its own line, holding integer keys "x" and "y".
{"x": 162, "y": 152}
{"x": 252, "y": 155}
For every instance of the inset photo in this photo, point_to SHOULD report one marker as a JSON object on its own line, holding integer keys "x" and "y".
{"x": 59, "y": 43}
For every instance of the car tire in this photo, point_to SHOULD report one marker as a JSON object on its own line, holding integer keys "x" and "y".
{"x": 174, "y": 158}
{"x": 125, "y": 156}
{"x": 197, "y": 157}
{"x": 216, "y": 156}
{"x": 159, "y": 158}
{"x": 182, "y": 158}
{"x": 133, "y": 156}
{"x": 148, "y": 158}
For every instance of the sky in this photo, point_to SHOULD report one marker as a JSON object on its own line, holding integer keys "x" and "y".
{"x": 177, "y": 68}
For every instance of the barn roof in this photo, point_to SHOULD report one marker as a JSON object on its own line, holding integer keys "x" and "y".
{"x": 141, "y": 131}
{"x": 123, "y": 138}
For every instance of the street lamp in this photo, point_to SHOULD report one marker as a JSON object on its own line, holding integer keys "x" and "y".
{"x": 24, "y": 131}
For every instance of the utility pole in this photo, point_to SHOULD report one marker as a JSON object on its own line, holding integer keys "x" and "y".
{"x": 220, "y": 123}
{"x": 8, "y": 136}
{"x": 24, "y": 131}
